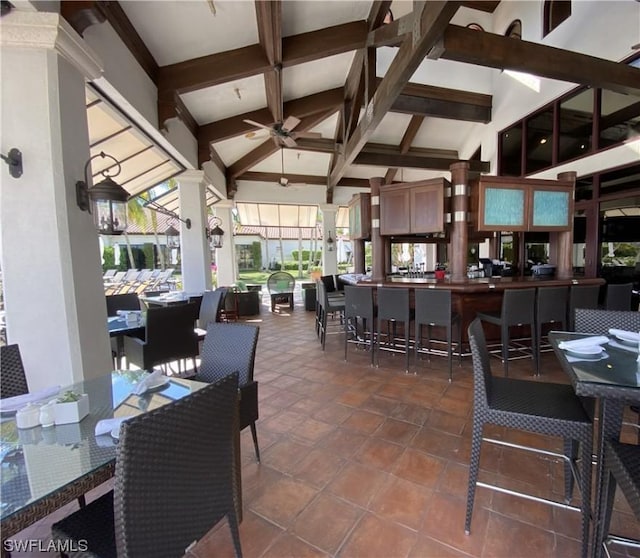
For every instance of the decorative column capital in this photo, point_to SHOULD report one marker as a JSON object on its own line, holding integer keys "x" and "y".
{"x": 328, "y": 208}
{"x": 190, "y": 178}
{"x": 224, "y": 204}
{"x": 50, "y": 31}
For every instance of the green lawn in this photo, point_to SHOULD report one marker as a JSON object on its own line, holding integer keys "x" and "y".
{"x": 260, "y": 277}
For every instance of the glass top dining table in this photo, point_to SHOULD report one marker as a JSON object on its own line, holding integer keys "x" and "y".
{"x": 43, "y": 469}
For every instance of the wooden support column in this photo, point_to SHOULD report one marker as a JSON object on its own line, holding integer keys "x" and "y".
{"x": 459, "y": 241}
{"x": 377, "y": 242}
{"x": 564, "y": 240}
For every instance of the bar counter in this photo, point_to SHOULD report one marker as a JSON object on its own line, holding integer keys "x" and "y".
{"x": 470, "y": 296}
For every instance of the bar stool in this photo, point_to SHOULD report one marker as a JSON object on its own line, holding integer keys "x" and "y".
{"x": 619, "y": 297}
{"x": 433, "y": 308}
{"x": 621, "y": 467}
{"x": 358, "y": 305}
{"x": 393, "y": 307}
{"x": 581, "y": 296}
{"x": 327, "y": 306}
{"x": 551, "y": 308}
{"x": 518, "y": 309}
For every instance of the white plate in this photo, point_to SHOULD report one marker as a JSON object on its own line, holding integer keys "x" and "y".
{"x": 627, "y": 338}
{"x": 588, "y": 351}
{"x": 156, "y": 383}
{"x": 115, "y": 433}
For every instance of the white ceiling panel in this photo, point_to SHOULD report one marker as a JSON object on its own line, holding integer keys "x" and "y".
{"x": 295, "y": 162}
{"x": 314, "y": 77}
{"x": 391, "y": 129}
{"x": 328, "y": 126}
{"x": 177, "y": 31}
{"x": 222, "y": 101}
{"x": 442, "y": 133}
{"x": 364, "y": 171}
{"x": 309, "y": 15}
{"x": 235, "y": 148}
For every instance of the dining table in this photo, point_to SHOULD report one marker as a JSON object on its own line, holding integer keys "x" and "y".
{"x": 612, "y": 377}
{"x": 172, "y": 297}
{"x": 42, "y": 469}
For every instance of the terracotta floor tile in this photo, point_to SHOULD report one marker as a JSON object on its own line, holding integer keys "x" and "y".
{"x": 397, "y": 431}
{"x": 446, "y": 422}
{"x": 426, "y": 547}
{"x": 409, "y": 412}
{"x": 374, "y": 537}
{"x": 333, "y": 413}
{"x": 401, "y": 501}
{"x": 290, "y": 546}
{"x": 284, "y": 455}
{"x": 284, "y": 500}
{"x": 378, "y": 404}
{"x": 439, "y": 443}
{"x": 282, "y": 422}
{"x": 364, "y": 422}
{"x": 379, "y": 453}
{"x": 318, "y": 467}
{"x": 504, "y": 535}
{"x": 357, "y": 483}
{"x": 342, "y": 442}
{"x": 311, "y": 430}
{"x": 419, "y": 467}
{"x": 353, "y": 398}
{"x": 326, "y": 522}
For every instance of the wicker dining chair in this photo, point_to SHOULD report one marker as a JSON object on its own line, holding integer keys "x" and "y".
{"x": 176, "y": 477}
{"x": 12, "y": 377}
{"x": 209, "y": 310}
{"x": 281, "y": 285}
{"x": 598, "y": 322}
{"x": 538, "y": 407}
{"x": 228, "y": 348}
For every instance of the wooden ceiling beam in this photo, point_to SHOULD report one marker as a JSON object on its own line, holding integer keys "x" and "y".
{"x": 269, "y": 20}
{"x": 304, "y": 106}
{"x": 488, "y": 6}
{"x": 432, "y": 19}
{"x": 423, "y": 106}
{"x": 346, "y": 182}
{"x": 495, "y": 51}
{"x": 267, "y": 148}
{"x": 411, "y": 160}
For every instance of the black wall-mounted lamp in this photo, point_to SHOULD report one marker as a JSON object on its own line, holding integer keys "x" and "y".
{"x": 330, "y": 242}
{"x": 155, "y": 206}
{"x": 106, "y": 200}
{"x": 215, "y": 234}
{"x": 14, "y": 160}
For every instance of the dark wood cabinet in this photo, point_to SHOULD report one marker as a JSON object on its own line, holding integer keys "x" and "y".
{"x": 360, "y": 217}
{"x": 413, "y": 208}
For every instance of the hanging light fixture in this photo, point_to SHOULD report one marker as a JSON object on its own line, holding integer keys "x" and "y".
{"x": 173, "y": 237}
{"x": 215, "y": 234}
{"x": 330, "y": 242}
{"x": 106, "y": 200}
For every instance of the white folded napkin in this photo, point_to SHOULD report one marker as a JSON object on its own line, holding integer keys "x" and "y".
{"x": 148, "y": 381}
{"x": 577, "y": 344}
{"x": 623, "y": 333}
{"x": 105, "y": 426}
{"x": 19, "y": 401}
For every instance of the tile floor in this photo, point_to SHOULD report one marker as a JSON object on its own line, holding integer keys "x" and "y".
{"x": 372, "y": 462}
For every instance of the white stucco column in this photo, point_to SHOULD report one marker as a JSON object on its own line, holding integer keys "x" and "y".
{"x": 329, "y": 258}
{"x": 226, "y": 256}
{"x": 196, "y": 257}
{"x": 52, "y": 277}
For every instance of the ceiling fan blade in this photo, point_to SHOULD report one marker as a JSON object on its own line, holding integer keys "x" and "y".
{"x": 289, "y": 141}
{"x": 257, "y": 124}
{"x": 257, "y": 135}
{"x": 276, "y": 140}
{"x": 290, "y": 123}
{"x": 295, "y": 135}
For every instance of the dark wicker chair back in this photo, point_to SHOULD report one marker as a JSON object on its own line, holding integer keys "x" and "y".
{"x": 12, "y": 378}
{"x": 157, "y": 507}
{"x": 482, "y": 377}
{"x": 117, "y": 302}
{"x": 619, "y": 297}
{"x": 599, "y": 322}
{"x": 231, "y": 348}
{"x": 518, "y": 306}
{"x": 170, "y": 336}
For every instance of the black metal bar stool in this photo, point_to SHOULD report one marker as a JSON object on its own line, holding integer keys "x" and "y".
{"x": 393, "y": 307}
{"x": 518, "y": 309}
{"x": 358, "y": 307}
{"x": 619, "y": 297}
{"x": 581, "y": 296}
{"x": 433, "y": 308}
{"x": 551, "y": 308}
{"x": 328, "y": 305}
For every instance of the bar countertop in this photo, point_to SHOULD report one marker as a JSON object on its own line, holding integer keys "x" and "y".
{"x": 480, "y": 285}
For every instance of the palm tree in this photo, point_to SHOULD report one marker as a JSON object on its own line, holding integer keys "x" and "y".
{"x": 137, "y": 215}
{"x": 154, "y": 226}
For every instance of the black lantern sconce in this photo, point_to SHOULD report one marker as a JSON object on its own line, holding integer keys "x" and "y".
{"x": 173, "y": 237}
{"x": 215, "y": 234}
{"x": 330, "y": 242}
{"x": 14, "y": 160}
{"x": 106, "y": 200}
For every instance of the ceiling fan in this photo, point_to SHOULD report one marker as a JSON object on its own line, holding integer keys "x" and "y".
{"x": 282, "y": 132}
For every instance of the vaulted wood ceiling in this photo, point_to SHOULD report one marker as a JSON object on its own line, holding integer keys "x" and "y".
{"x": 425, "y": 32}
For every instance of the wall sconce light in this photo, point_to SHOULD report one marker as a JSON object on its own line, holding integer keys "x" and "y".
{"x": 330, "y": 242}
{"x": 155, "y": 206}
{"x": 14, "y": 160}
{"x": 215, "y": 234}
{"x": 106, "y": 200}
{"x": 173, "y": 237}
